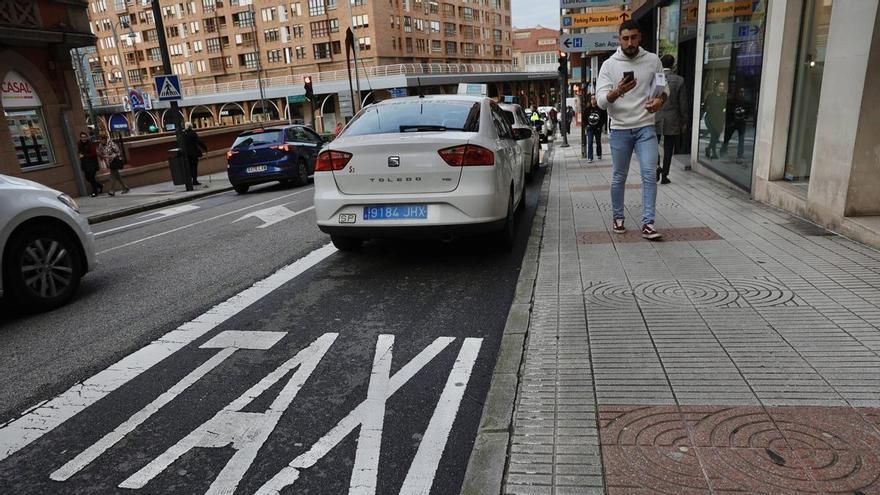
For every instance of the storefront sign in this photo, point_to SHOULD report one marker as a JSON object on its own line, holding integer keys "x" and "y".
{"x": 595, "y": 19}
{"x": 718, "y": 10}
{"x": 585, "y": 4}
{"x": 17, "y": 92}
{"x": 295, "y": 99}
{"x": 589, "y": 42}
{"x": 731, "y": 32}
{"x": 118, "y": 123}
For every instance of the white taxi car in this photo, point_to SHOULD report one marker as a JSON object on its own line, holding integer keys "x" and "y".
{"x": 46, "y": 246}
{"x": 431, "y": 166}
{"x": 531, "y": 147}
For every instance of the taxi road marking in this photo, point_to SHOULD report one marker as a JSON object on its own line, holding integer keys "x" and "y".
{"x": 45, "y": 417}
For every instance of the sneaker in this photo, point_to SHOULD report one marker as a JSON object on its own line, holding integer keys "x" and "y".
{"x": 126, "y": 190}
{"x": 648, "y": 232}
{"x": 659, "y": 173}
{"x": 590, "y": 160}
{"x": 665, "y": 180}
{"x": 617, "y": 226}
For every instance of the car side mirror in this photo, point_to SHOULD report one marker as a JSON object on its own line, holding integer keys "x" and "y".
{"x": 521, "y": 134}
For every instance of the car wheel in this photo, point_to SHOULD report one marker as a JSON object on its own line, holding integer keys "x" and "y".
{"x": 44, "y": 268}
{"x": 241, "y": 188}
{"x": 302, "y": 173}
{"x": 344, "y": 243}
{"x": 504, "y": 238}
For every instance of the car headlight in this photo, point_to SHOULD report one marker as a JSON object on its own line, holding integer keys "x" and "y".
{"x": 69, "y": 202}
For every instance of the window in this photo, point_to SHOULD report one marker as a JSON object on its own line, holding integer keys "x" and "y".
{"x": 297, "y": 31}
{"x": 249, "y": 60}
{"x": 172, "y": 31}
{"x": 434, "y": 27}
{"x": 361, "y": 21}
{"x": 322, "y": 50}
{"x": 154, "y": 54}
{"x": 269, "y": 14}
{"x": 27, "y": 127}
{"x": 201, "y": 66}
{"x": 273, "y": 56}
{"x": 321, "y": 29}
{"x": 355, "y": 3}
{"x": 180, "y": 69}
{"x": 451, "y": 48}
{"x": 296, "y": 9}
{"x": 449, "y": 28}
{"x": 213, "y": 45}
{"x": 390, "y": 117}
{"x": 407, "y": 24}
{"x": 300, "y": 52}
{"x": 316, "y": 7}
{"x": 243, "y": 19}
{"x": 197, "y": 46}
{"x": 271, "y": 35}
{"x": 364, "y": 44}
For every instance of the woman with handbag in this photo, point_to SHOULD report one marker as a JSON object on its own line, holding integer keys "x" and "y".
{"x": 109, "y": 151}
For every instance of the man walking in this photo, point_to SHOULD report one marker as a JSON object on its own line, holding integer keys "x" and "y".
{"x": 194, "y": 148}
{"x": 596, "y": 118}
{"x": 629, "y": 89}
{"x": 672, "y": 118}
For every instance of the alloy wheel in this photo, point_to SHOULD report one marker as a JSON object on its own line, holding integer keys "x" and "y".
{"x": 47, "y": 268}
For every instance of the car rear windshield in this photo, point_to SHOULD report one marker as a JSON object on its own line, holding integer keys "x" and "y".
{"x": 258, "y": 138}
{"x": 416, "y": 116}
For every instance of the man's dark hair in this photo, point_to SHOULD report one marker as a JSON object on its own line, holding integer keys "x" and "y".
{"x": 668, "y": 61}
{"x": 630, "y": 24}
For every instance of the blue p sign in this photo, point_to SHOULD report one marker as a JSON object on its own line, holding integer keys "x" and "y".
{"x": 566, "y": 21}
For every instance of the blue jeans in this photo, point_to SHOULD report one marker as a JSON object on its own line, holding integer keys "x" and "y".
{"x": 591, "y": 135}
{"x": 644, "y": 142}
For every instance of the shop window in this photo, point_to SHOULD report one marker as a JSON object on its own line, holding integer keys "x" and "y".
{"x": 815, "y": 24}
{"x": 732, "y": 58}
{"x": 27, "y": 125}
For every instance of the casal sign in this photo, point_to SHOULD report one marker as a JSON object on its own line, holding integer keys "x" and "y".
{"x": 17, "y": 92}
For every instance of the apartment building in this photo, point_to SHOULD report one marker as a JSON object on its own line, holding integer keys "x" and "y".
{"x": 536, "y": 49}
{"x": 217, "y": 41}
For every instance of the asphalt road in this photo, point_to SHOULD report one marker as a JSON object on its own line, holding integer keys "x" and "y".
{"x": 365, "y": 371}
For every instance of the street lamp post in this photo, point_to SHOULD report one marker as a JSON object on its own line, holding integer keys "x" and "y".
{"x": 83, "y": 84}
{"x": 118, "y": 42}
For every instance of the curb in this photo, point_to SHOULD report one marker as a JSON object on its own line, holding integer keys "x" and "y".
{"x": 488, "y": 459}
{"x": 104, "y": 217}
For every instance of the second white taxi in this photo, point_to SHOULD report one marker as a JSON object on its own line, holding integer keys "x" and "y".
{"x": 432, "y": 166}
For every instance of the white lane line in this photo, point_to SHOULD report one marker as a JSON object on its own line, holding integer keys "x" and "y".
{"x": 356, "y": 418}
{"x": 273, "y": 214}
{"x": 227, "y": 342}
{"x": 421, "y": 473}
{"x": 156, "y": 216}
{"x": 182, "y": 227}
{"x": 244, "y": 432}
{"x": 44, "y": 417}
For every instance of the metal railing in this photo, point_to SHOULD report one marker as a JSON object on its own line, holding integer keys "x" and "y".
{"x": 332, "y": 76}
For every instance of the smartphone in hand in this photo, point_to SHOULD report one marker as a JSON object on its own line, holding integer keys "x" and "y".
{"x": 629, "y": 75}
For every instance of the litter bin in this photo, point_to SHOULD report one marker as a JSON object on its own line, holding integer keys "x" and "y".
{"x": 178, "y": 164}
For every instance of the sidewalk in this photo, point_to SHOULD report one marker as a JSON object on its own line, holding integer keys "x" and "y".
{"x": 104, "y": 207}
{"x": 740, "y": 355}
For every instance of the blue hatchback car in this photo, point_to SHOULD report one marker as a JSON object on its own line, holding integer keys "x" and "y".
{"x": 283, "y": 153}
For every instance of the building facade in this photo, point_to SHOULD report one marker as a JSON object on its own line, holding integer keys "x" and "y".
{"x": 536, "y": 49}
{"x": 39, "y": 92}
{"x": 786, "y": 100}
{"x": 213, "y": 42}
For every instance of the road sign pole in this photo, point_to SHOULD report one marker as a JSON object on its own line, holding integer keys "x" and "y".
{"x": 175, "y": 109}
{"x": 584, "y": 95}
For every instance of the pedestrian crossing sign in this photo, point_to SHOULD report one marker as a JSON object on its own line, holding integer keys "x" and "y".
{"x": 168, "y": 88}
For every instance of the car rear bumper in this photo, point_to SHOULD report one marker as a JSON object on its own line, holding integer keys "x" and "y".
{"x": 478, "y": 205}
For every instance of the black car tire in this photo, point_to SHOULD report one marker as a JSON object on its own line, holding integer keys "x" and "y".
{"x": 504, "y": 238}
{"x": 302, "y": 173}
{"x": 344, "y": 243}
{"x": 241, "y": 188}
{"x": 50, "y": 254}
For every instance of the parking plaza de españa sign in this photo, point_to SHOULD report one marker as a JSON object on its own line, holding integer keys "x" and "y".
{"x": 168, "y": 88}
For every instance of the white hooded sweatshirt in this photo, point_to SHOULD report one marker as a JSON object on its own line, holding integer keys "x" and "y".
{"x": 628, "y": 111}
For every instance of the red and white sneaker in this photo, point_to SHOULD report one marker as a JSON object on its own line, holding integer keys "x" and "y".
{"x": 650, "y": 233}
{"x": 617, "y": 226}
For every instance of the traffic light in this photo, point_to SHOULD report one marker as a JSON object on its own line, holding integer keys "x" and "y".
{"x": 307, "y": 84}
{"x": 563, "y": 65}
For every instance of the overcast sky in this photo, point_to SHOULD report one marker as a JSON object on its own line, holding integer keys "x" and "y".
{"x": 530, "y": 13}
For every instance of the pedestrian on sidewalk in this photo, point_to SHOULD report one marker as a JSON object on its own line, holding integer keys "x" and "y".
{"x": 194, "y": 148}
{"x": 569, "y": 118}
{"x": 736, "y": 122}
{"x": 627, "y": 90}
{"x": 715, "y": 106}
{"x": 88, "y": 162}
{"x": 109, "y": 151}
{"x": 596, "y": 118}
{"x": 554, "y": 120}
{"x": 672, "y": 118}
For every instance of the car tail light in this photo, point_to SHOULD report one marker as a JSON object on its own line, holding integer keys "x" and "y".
{"x": 332, "y": 160}
{"x": 230, "y": 154}
{"x": 281, "y": 147}
{"x": 467, "y": 155}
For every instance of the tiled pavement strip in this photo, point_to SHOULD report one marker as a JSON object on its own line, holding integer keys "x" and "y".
{"x": 746, "y": 364}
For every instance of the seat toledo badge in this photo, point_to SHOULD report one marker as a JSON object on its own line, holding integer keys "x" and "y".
{"x": 393, "y": 161}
